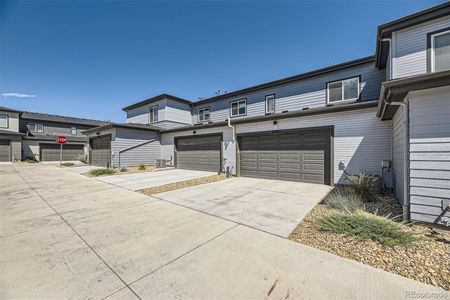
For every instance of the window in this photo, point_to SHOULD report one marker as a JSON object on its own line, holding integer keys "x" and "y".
{"x": 238, "y": 108}
{"x": 440, "y": 51}
{"x": 73, "y": 131}
{"x": 204, "y": 114}
{"x": 344, "y": 90}
{"x": 153, "y": 114}
{"x": 270, "y": 104}
{"x": 4, "y": 120}
{"x": 36, "y": 127}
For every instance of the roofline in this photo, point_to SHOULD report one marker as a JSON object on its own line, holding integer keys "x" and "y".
{"x": 292, "y": 114}
{"x": 396, "y": 90}
{"x": 81, "y": 122}
{"x": 117, "y": 125}
{"x": 6, "y": 132}
{"x": 300, "y": 76}
{"x": 156, "y": 98}
{"x": 386, "y": 29}
{"x": 10, "y": 110}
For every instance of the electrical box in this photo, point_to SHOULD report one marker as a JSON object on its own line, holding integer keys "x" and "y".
{"x": 386, "y": 164}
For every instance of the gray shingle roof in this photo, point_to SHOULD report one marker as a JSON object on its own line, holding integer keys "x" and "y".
{"x": 124, "y": 125}
{"x": 61, "y": 119}
{"x": 9, "y": 109}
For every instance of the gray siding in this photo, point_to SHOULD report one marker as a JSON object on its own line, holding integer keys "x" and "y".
{"x": 169, "y": 112}
{"x": 170, "y": 124}
{"x": 398, "y": 153}
{"x": 360, "y": 140}
{"x": 410, "y": 47}
{"x": 125, "y": 138}
{"x": 54, "y": 128}
{"x": 429, "y": 154}
{"x": 13, "y": 121}
{"x": 309, "y": 92}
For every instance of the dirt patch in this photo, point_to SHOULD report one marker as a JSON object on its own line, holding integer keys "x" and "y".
{"x": 182, "y": 184}
{"x": 426, "y": 261}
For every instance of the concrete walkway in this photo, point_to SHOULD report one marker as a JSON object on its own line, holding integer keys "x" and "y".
{"x": 150, "y": 179}
{"x": 65, "y": 236}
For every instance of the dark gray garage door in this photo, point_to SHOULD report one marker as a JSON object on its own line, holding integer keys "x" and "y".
{"x": 297, "y": 156}
{"x": 199, "y": 153}
{"x": 51, "y": 152}
{"x": 101, "y": 151}
{"x": 5, "y": 150}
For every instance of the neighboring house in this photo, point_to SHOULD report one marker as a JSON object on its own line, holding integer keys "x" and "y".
{"x": 40, "y": 132}
{"x": 10, "y": 137}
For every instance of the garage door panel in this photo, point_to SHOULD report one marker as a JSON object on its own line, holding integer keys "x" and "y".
{"x": 51, "y": 152}
{"x": 297, "y": 156}
{"x": 101, "y": 151}
{"x": 5, "y": 150}
{"x": 199, "y": 153}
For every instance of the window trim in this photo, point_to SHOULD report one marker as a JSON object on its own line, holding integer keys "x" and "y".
{"x": 71, "y": 130}
{"x": 346, "y": 100}
{"x": 7, "y": 120}
{"x": 198, "y": 114}
{"x": 34, "y": 130}
{"x": 157, "y": 111}
{"x": 237, "y": 101}
{"x": 430, "y": 48}
{"x": 274, "y": 104}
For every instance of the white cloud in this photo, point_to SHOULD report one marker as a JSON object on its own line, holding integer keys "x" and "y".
{"x": 18, "y": 95}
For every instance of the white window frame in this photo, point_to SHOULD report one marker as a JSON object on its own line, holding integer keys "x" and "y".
{"x": 7, "y": 120}
{"x": 238, "y": 102}
{"x": 433, "y": 36}
{"x": 267, "y": 103}
{"x": 154, "y": 110}
{"x": 202, "y": 109}
{"x": 72, "y": 129}
{"x": 34, "y": 127}
{"x": 342, "y": 87}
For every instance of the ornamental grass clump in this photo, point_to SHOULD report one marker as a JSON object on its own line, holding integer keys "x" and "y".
{"x": 141, "y": 167}
{"x": 364, "y": 226}
{"x": 101, "y": 171}
{"x": 344, "y": 199}
{"x": 364, "y": 185}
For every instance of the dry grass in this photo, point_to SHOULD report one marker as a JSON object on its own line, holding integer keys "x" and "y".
{"x": 182, "y": 184}
{"x": 426, "y": 261}
{"x": 129, "y": 170}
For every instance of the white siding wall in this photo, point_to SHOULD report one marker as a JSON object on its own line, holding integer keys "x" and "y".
{"x": 178, "y": 112}
{"x": 410, "y": 47}
{"x": 125, "y": 138}
{"x": 228, "y": 145}
{"x": 30, "y": 149}
{"x": 294, "y": 96}
{"x": 398, "y": 153}
{"x": 16, "y": 148}
{"x": 140, "y": 114}
{"x": 429, "y": 154}
{"x": 13, "y": 121}
{"x": 361, "y": 140}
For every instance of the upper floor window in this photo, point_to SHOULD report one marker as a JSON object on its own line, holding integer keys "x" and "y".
{"x": 73, "y": 130}
{"x": 440, "y": 51}
{"x": 343, "y": 90}
{"x": 270, "y": 104}
{"x": 36, "y": 127}
{"x": 4, "y": 120}
{"x": 204, "y": 114}
{"x": 153, "y": 114}
{"x": 238, "y": 108}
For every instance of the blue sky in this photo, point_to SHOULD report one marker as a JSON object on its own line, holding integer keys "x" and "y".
{"x": 90, "y": 59}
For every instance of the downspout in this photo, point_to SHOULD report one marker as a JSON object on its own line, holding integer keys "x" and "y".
{"x": 406, "y": 202}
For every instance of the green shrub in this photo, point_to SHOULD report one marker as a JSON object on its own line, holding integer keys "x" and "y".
{"x": 365, "y": 226}
{"x": 123, "y": 169}
{"x": 83, "y": 159}
{"x": 68, "y": 164}
{"x": 101, "y": 171}
{"x": 344, "y": 199}
{"x": 364, "y": 186}
{"x": 141, "y": 167}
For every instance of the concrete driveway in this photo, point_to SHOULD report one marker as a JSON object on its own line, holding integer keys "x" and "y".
{"x": 273, "y": 206}
{"x": 150, "y": 179}
{"x": 65, "y": 236}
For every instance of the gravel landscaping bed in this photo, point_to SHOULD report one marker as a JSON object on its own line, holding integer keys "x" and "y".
{"x": 129, "y": 170}
{"x": 182, "y": 184}
{"x": 427, "y": 260}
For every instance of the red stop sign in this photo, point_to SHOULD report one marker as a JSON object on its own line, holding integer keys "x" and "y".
{"x": 61, "y": 140}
